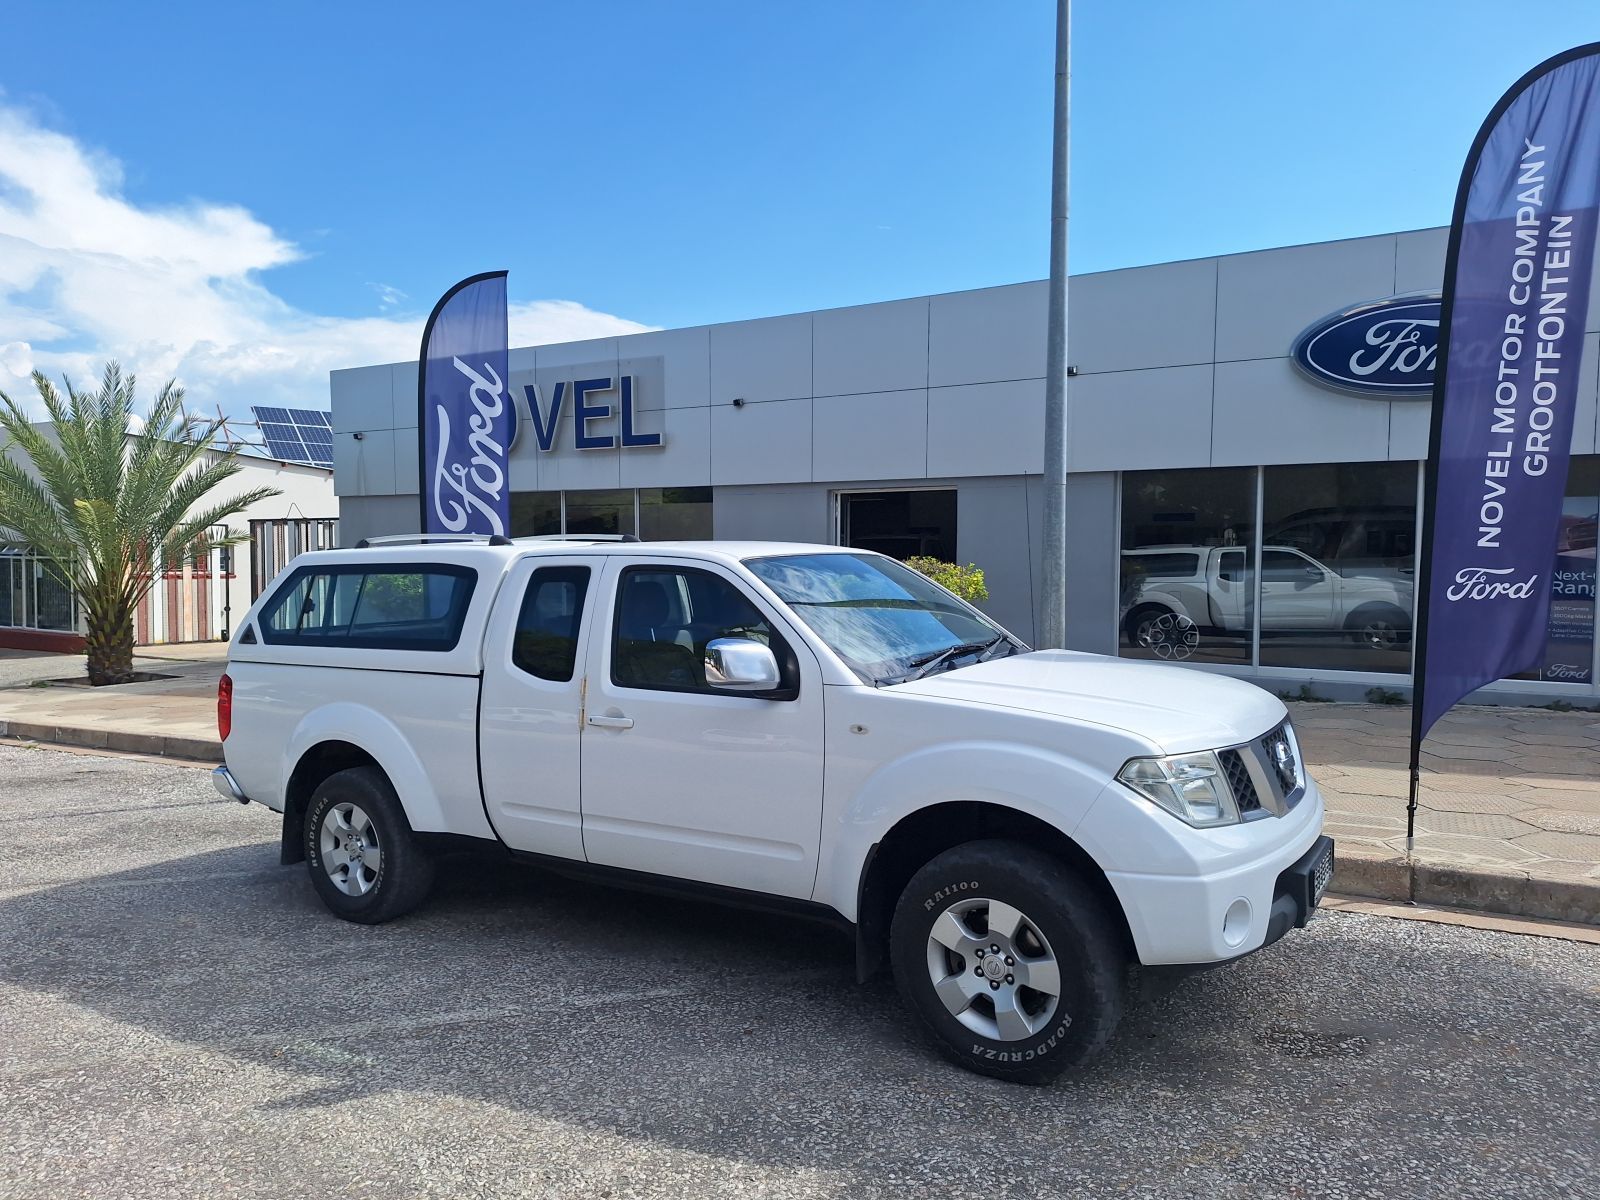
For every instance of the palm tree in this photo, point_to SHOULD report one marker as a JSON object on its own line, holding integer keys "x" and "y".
{"x": 106, "y": 510}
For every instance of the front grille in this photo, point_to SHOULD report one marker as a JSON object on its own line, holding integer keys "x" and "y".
{"x": 1244, "y": 791}
{"x": 1280, "y": 758}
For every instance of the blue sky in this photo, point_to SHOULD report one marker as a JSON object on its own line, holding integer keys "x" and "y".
{"x": 300, "y": 181}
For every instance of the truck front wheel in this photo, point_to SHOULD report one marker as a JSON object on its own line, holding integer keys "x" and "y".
{"x": 363, "y": 860}
{"x": 1009, "y": 960}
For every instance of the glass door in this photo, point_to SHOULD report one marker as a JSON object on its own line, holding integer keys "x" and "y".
{"x": 900, "y": 524}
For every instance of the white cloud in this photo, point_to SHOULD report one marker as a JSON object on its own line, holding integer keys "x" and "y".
{"x": 86, "y": 275}
{"x": 16, "y": 360}
{"x": 389, "y": 296}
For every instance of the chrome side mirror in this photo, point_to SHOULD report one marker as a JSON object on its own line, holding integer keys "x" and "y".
{"x": 740, "y": 665}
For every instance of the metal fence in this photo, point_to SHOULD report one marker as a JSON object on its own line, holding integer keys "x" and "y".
{"x": 273, "y": 543}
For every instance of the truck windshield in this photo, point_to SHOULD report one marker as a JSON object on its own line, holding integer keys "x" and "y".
{"x": 886, "y": 621}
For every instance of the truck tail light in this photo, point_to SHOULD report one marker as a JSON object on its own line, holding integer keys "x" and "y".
{"x": 224, "y": 707}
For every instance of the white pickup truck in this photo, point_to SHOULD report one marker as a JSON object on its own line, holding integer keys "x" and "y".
{"x": 1172, "y": 593}
{"x": 804, "y": 728}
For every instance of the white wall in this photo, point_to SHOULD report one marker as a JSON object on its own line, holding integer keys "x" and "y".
{"x": 1178, "y": 365}
{"x": 306, "y": 491}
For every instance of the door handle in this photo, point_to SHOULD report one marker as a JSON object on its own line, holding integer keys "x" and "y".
{"x": 617, "y": 722}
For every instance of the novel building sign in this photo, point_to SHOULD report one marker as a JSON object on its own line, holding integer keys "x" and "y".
{"x": 1381, "y": 348}
{"x": 591, "y": 408}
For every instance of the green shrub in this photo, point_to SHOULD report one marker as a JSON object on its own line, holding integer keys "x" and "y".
{"x": 966, "y": 582}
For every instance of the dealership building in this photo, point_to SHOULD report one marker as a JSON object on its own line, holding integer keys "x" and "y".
{"x": 1244, "y": 438}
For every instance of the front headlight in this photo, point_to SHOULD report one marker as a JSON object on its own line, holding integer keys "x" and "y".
{"x": 1191, "y": 787}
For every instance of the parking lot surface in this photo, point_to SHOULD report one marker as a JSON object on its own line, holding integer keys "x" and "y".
{"x": 180, "y": 1017}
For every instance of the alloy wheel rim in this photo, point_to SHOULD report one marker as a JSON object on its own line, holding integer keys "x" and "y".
{"x": 993, "y": 969}
{"x": 1168, "y": 635}
{"x": 351, "y": 854}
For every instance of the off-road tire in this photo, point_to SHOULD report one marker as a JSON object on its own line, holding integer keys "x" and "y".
{"x": 404, "y": 875}
{"x": 1140, "y": 614}
{"x": 1083, "y": 938}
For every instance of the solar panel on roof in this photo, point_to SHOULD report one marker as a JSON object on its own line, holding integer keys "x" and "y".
{"x": 283, "y": 445}
{"x": 302, "y": 435}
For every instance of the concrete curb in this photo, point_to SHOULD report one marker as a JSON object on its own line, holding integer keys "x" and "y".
{"x": 1398, "y": 877}
{"x": 193, "y": 749}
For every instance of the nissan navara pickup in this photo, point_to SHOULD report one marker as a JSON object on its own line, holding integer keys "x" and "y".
{"x": 805, "y": 728}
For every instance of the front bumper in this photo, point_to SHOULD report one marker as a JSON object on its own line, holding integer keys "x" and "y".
{"x": 1300, "y": 889}
{"x": 1240, "y": 907}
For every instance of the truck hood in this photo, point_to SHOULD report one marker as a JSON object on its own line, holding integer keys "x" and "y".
{"x": 1176, "y": 709}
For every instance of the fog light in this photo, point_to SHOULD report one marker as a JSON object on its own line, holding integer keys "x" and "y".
{"x": 1236, "y": 922}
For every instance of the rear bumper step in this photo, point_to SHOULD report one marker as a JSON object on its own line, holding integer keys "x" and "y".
{"x": 227, "y": 787}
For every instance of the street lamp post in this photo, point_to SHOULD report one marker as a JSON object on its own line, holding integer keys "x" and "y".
{"x": 1053, "y": 619}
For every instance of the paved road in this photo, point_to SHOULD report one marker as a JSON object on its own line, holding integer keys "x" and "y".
{"x": 179, "y": 1017}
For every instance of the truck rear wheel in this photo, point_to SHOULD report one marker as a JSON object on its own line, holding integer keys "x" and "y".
{"x": 1166, "y": 634}
{"x": 1009, "y": 960}
{"x": 1379, "y": 626}
{"x": 363, "y": 860}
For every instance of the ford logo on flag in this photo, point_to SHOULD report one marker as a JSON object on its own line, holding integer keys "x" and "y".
{"x": 1381, "y": 348}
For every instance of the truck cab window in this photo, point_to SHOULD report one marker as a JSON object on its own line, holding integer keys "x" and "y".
{"x": 546, "y": 642}
{"x": 664, "y": 620}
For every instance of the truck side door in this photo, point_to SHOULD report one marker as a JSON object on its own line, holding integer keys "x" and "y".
{"x": 1297, "y": 593}
{"x": 680, "y": 779}
{"x": 1228, "y": 581}
{"x": 531, "y": 703}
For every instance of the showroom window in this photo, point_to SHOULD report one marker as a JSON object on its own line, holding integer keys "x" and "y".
{"x": 1338, "y": 565}
{"x": 1338, "y": 568}
{"x": 1336, "y": 559}
{"x": 600, "y": 512}
{"x": 1569, "y": 637}
{"x": 674, "y": 514}
{"x": 900, "y": 524}
{"x": 535, "y": 513}
{"x": 652, "y": 514}
{"x": 1188, "y": 565}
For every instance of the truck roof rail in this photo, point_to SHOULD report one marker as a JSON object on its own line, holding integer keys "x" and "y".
{"x": 581, "y": 537}
{"x": 420, "y": 539}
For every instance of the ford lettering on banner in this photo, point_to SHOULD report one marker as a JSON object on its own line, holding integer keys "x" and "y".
{"x": 466, "y": 420}
{"x": 1381, "y": 348}
{"x": 1516, "y": 298}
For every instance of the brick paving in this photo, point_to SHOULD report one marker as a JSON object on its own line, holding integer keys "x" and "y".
{"x": 1502, "y": 788}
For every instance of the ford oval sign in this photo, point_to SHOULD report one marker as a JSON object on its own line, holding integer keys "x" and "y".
{"x": 1382, "y": 348}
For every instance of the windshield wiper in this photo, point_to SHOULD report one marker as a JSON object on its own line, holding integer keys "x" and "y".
{"x": 927, "y": 666}
{"x": 993, "y": 647}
